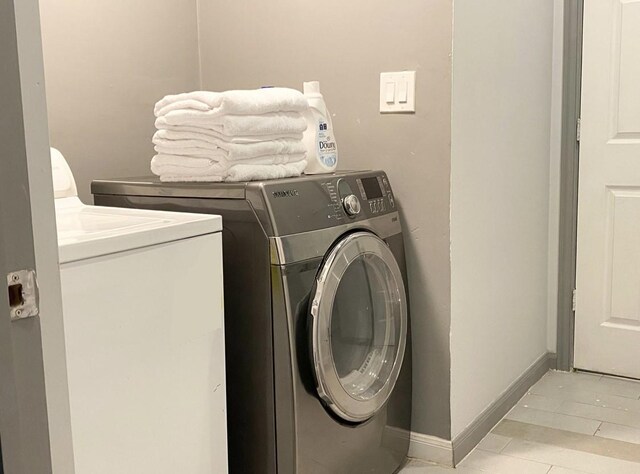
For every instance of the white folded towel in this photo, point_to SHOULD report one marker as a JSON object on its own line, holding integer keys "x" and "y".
{"x": 236, "y": 102}
{"x": 179, "y": 164}
{"x": 237, "y": 125}
{"x": 172, "y": 168}
{"x": 214, "y": 148}
{"x": 257, "y": 172}
{"x": 241, "y": 172}
{"x": 181, "y": 132}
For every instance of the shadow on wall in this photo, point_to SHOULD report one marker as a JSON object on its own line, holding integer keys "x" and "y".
{"x": 431, "y": 356}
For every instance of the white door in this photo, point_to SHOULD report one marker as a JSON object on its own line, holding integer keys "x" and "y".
{"x": 607, "y": 337}
{"x": 35, "y": 435}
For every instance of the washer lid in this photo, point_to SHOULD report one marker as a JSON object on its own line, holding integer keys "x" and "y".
{"x": 91, "y": 231}
{"x": 64, "y": 185}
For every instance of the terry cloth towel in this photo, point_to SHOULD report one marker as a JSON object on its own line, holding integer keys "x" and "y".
{"x": 162, "y": 164}
{"x": 238, "y": 125}
{"x": 180, "y": 132}
{"x": 243, "y": 172}
{"x": 213, "y": 148}
{"x": 236, "y": 102}
{"x": 180, "y": 168}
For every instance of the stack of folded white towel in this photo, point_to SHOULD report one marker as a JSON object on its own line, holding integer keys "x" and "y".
{"x": 240, "y": 135}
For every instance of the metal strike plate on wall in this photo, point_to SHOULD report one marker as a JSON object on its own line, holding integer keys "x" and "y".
{"x": 22, "y": 286}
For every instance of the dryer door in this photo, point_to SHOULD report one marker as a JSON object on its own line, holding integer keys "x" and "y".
{"x": 358, "y": 327}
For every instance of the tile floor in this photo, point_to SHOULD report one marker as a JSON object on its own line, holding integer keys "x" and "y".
{"x": 574, "y": 423}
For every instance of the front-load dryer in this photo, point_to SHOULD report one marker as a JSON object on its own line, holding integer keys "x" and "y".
{"x": 317, "y": 324}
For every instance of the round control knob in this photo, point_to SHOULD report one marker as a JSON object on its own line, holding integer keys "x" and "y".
{"x": 351, "y": 204}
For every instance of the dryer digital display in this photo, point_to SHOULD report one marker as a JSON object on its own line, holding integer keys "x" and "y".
{"x": 372, "y": 188}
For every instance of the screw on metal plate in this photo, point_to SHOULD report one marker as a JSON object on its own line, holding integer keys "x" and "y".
{"x": 22, "y": 287}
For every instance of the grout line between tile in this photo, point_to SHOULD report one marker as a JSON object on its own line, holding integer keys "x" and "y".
{"x": 595, "y": 375}
{"x": 598, "y": 428}
{"x": 558, "y": 413}
{"x": 602, "y": 446}
{"x": 505, "y": 446}
{"x": 618, "y": 424}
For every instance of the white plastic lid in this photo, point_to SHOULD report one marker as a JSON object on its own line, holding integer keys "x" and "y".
{"x": 91, "y": 231}
{"x": 64, "y": 185}
{"x": 312, "y": 87}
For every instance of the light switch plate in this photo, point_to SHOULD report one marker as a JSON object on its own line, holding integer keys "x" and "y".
{"x": 398, "y": 92}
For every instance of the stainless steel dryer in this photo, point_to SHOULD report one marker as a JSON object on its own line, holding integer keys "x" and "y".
{"x": 317, "y": 326}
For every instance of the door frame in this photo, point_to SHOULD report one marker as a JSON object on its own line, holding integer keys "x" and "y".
{"x": 569, "y": 162}
{"x": 35, "y": 419}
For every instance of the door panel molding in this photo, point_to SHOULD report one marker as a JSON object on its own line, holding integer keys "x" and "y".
{"x": 622, "y": 276}
{"x": 625, "y": 97}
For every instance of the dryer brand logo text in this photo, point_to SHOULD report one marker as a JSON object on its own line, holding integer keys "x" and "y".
{"x": 288, "y": 193}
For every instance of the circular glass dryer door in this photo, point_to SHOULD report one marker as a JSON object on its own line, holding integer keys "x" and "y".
{"x": 358, "y": 326}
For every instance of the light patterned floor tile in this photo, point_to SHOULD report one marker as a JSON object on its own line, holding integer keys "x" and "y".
{"x": 590, "y": 383}
{"x": 562, "y": 470}
{"x": 569, "y": 459}
{"x": 570, "y": 377}
{"x": 611, "y": 415}
{"x": 553, "y": 420}
{"x": 500, "y": 464}
{"x": 590, "y": 398}
{"x": 632, "y": 387}
{"x": 494, "y": 443}
{"x": 612, "y": 448}
{"x": 531, "y": 400}
{"x": 561, "y": 414}
{"x": 619, "y": 432}
{"x": 417, "y": 467}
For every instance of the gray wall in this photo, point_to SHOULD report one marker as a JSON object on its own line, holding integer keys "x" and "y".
{"x": 345, "y": 45}
{"x": 500, "y": 164}
{"x": 106, "y": 64}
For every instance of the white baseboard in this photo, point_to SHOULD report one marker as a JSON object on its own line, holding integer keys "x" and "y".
{"x": 478, "y": 429}
{"x": 441, "y": 451}
{"x": 431, "y": 449}
{"x": 423, "y": 447}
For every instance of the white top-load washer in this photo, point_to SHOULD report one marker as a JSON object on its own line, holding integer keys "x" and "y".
{"x": 144, "y": 335}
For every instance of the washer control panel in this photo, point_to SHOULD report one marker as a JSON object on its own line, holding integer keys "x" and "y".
{"x": 321, "y": 201}
{"x": 351, "y": 205}
{"x": 364, "y": 194}
{"x": 376, "y": 192}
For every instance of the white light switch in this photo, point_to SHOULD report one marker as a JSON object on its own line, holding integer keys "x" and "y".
{"x": 398, "y": 92}
{"x": 403, "y": 89}
{"x": 391, "y": 92}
